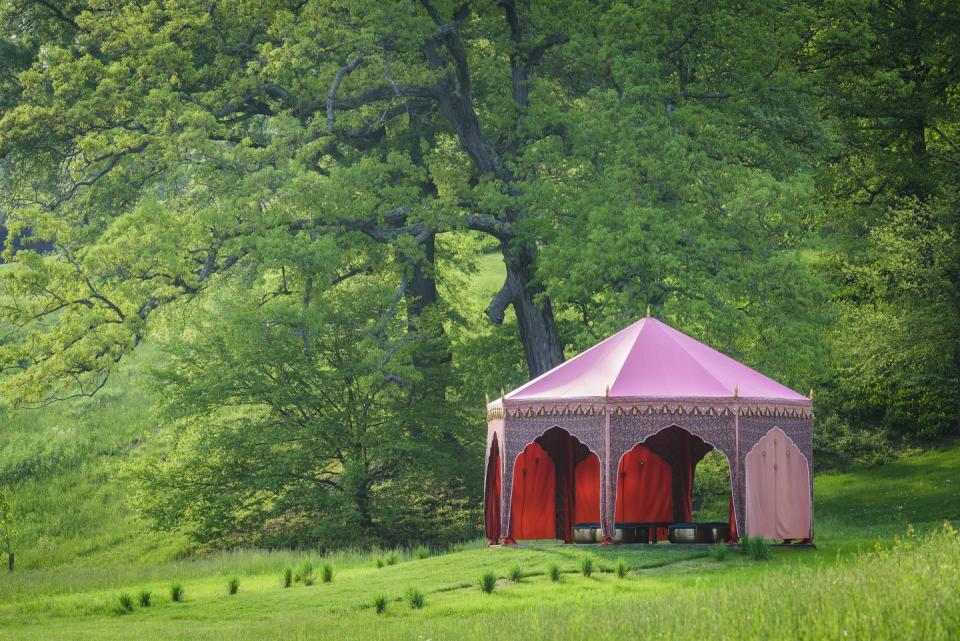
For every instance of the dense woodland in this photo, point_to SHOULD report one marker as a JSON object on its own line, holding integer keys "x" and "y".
{"x": 289, "y": 200}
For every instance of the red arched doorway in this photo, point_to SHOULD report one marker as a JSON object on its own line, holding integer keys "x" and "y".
{"x": 556, "y": 483}
{"x": 655, "y": 479}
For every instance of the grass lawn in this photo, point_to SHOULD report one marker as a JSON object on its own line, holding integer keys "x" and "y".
{"x": 869, "y": 578}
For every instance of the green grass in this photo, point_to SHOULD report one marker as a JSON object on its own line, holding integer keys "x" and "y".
{"x": 843, "y": 584}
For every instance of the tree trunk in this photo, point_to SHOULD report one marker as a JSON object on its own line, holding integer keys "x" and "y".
{"x": 538, "y": 330}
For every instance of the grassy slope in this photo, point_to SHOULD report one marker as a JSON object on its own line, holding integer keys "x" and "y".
{"x": 841, "y": 585}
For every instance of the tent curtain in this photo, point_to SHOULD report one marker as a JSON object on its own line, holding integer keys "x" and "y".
{"x": 533, "y": 507}
{"x": 778, "y": 489}
{"x": 492, "y": 493}
{"x": 587, "y": 490}
{"x": 644, "y": 488}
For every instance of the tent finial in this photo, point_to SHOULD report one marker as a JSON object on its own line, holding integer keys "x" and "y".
{"x": 502, "y": 393}
{"x": 811, "y": 394}
{"x": 487, "y": 397}
{"x": 736, "y": 391}
{"x": 607, "y": 393}
{"x": 648, "y": 311}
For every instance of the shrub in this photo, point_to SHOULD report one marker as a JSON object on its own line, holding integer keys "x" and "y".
{"x": 516, "y": 574}
{"x": 124, "y": 603}
{"x": 233, "y": 585}
{"x": 756, "y": 548}
{"x": 586, "y": 566}
{"x": 554, "y": 572}
{"x": 719, "y": 551}
{"x": 415, "y": 598}
{"x": 304, "y": 571}
{"x": 143, "y": 598}
{"x": 488, "y": 581}
{"x": 287, "y": 576}
{"x": 380, "y": 604}
{"x": 176, "y": 593}
{"x": 326, "y": 573}
{"x": 621, "y": 569}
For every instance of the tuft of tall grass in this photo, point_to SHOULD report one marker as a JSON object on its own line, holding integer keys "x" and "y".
{"x": 380, "y": 604}
{"x": 586, "y": 566}
{"x": 554, "y": 572}
{"x": 390, "y": 559}
{"x": 621, "y": 568}
{"x": 326, "y": 573}
{"x": 421, "y": 552}
{"x": 124, "y": 603}
{"x": 488, "y": 581}
{"x": 143, "y": 598}
{"x": 756, "y": 547}
{"x": 304, "y": 571}
{"x": 176, "y": 593}
{"x": 516, "y": 574}
{"x": 287, "y": 576}
{"x": 379, "y": 562}
{"x": 233, "y": 584}
{"x": 719, "y": 551}
{"x": 414, "y": 598}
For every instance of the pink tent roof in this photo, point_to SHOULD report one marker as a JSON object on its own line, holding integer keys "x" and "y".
{"x": 651, "y": 360}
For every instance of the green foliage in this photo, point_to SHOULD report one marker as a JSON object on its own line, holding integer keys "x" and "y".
{"x": 143, "y": 598}
{"x": 326, "y": 573}
{"x": 515, "y": 574}
{"x": 176, "y": 593}
{"x": 380, "y": 604}
{"x": 287, "y": 576}
{"x": 421, "y": 552}
{"x": 553, "y": 572}
{"x": 711, "y": 488}
{"x": 233, "y": 584}
{"x": 379, "y": 562}
{"x": 487, "y": 582}
{"x": 390, "y": 559}
{"x": 414, "y": 598}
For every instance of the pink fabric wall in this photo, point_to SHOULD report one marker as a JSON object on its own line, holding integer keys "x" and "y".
{"x": 778, "y": 489}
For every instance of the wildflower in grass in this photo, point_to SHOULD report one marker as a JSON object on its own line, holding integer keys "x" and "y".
{"x": 326, "y": 573}
{"x": 586, "y": 566}
{"x": 516, "y": 574}
{"x": 415, "y": 598}
{"x": 176, "y": 593}
{"x": 380, "y": 604}
{"x": 143, "y": 598}
{"x": 124, "y": 603}
{"x": 554, "y": 572}
{"x": 621, "y": 568}
{"x": 488, "y": 581}
{"x": 287, "y": 576}
{"x": 233, "y": 585}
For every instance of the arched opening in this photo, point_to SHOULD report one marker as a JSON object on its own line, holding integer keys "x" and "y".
{"x": 655, "y": 481}
{"x": 492, "y": 492}
{"x": 777, "y": 489}
{"x": 556, "y": 483}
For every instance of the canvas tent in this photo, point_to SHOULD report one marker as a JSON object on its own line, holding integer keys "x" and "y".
{"x": 615, "y": 434}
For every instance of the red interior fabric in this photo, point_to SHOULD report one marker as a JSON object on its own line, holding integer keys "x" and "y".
{"x": 587, "y": 490}
{"x": 533, "y": 511}
{"x": 492, "y": 509}
{"x": 644, "y": 487}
